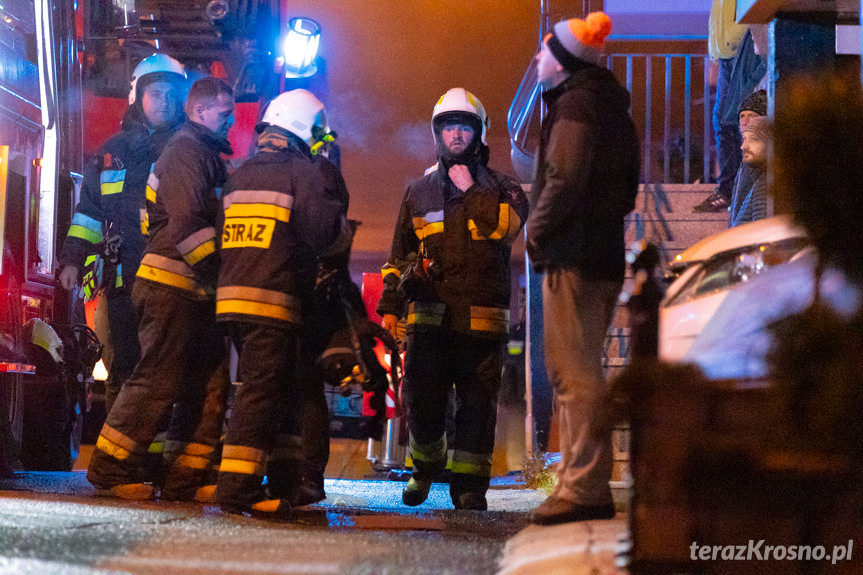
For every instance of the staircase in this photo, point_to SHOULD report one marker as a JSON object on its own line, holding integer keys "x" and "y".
{"x": 663, "y": 215}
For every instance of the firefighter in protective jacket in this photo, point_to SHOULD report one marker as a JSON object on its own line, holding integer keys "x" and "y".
{"x": 282, "y": 210}
{"x": 107, "y": 222}
{"x": 182, "y": 354}
{"x": 449, "y": 275}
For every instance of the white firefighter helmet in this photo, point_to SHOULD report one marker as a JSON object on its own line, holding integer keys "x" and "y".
{"x": 300, "y": 113}
{"x": 156, "y": 64}
{"x": 44, "y": 336}
{"x": 460, "y": 101}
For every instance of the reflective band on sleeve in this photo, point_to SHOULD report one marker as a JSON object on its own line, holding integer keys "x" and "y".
{"x": 145, "y": 221}
{"x": 152, "y": 186}
{"x": 389, "y": 269}
{"x": 111, "y": 181}
{"x": 198, "y": 245}
{"x": 489, "y": 319}
{"x": 508, "y": 225}
{"x": 86, "y": 228}
{"x": 118, "y": 281}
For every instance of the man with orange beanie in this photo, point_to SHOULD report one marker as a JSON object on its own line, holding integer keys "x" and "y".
{"x": 586, "y": 181}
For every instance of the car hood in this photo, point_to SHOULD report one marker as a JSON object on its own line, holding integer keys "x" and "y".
{"x": 735, "y": 341}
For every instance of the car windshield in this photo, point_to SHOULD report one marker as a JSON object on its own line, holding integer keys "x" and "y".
{"x": 726, "y": 269}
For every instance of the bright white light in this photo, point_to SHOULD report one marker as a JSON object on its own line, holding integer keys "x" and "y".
{"x": 301, "y": 47}
{"x": 99, "y": 371}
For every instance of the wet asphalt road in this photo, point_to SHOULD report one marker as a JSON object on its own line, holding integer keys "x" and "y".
{"x": 53, "y": 523}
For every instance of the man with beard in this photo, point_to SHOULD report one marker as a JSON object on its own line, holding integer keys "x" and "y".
{"x": 750, "y": 193}
{"x": 448, "y": 274}
{"x": 112, "y": 199}
{"x": 182, "y": 353}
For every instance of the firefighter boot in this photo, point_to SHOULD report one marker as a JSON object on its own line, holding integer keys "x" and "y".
{"x": 417, "y": 490}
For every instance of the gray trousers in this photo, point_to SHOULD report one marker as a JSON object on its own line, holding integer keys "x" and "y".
{"x": 577, "y": 314}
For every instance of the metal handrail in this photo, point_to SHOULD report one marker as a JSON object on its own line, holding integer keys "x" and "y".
{"x": 518, "y": 122}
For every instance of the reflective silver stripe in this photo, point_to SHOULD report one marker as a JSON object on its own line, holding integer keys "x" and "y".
{"x": 196, "y": 239}
{"x": 153, "y": 182}
{"x": 258, "y": 197}
{"x": 257, "y": 294}
{"x": 174, "y": 266}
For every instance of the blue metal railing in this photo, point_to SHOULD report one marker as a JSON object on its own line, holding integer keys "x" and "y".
{"x": 671, "y": 108}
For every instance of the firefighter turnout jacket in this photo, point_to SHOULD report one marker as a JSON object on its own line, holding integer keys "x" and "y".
{"x": 181, "y": 250}
{"x": 466, "y": 239}
{"x": 112, "y": 197}
{"x": 281, "y": 211}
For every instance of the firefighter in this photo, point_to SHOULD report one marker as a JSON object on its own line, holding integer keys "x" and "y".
{"x": 282, "y": 209}
{"x": 112, "y": 198}
{"x": 448, "y": 273}
{"x": 182, "y": 354}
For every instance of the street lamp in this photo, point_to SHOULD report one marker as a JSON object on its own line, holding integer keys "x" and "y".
{"x": 301, "y": 47}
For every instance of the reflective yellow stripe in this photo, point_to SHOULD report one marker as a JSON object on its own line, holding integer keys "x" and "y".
{"x": 489, "y": 319}
{"x": 170, "y": 278}
{"x": 118, "y": 437}
{"x": 76, "y": 231}
{"x": 111, "y": 181}
{"x": 246, "y": 307}
{"x": 508, "y": 225}
{"x": 156, "y": 447}
{"x": 429, "y": 229}
{"x": 259, "y": 211}
{"x": 107, "y": 446}
{"x": 242, "y": 459}
{"x": 200, "y": 252}
{"x": 471, "y": 468}
{"x": 426, "y": 313}
{"x": 241, "y": 466}
{"x": 144, "y": 216}
{"x": 430, "y": 452}
{"x": 193, "y": 462}
{"x": 152, "y": 186}
{"x": 198, "y": 449}
{"x": 390, "y": 271}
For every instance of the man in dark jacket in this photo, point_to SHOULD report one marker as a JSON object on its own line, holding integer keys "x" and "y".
{"x": 182, "y": 354}
{"x": 282, "y": 210}
{"x": 586, "y": 183}
{"x": 455, "y": 229}
{"x": 112, "y": 198}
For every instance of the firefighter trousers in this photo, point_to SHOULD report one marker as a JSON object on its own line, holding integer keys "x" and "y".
{"x": 183, "y": 371}
{"x": 264, "y": 406}
{"x": 434, "y": 362}
{"x": 123, "y": 338}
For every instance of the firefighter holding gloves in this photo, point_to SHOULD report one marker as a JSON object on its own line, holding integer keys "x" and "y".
{"x": 448, "y": 274}
{"x": 282, "y": 210}
{"x": 182, "y": 353}
{"x": 106, "y": 234}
